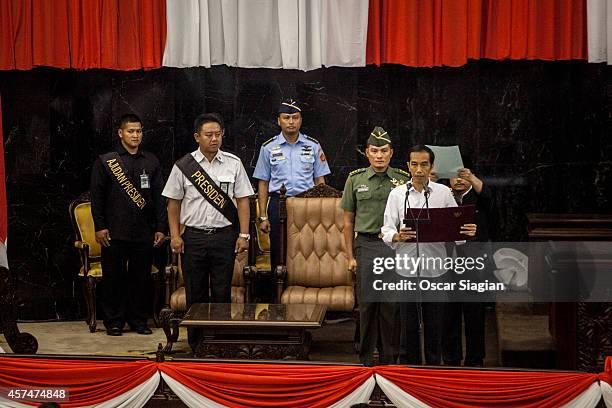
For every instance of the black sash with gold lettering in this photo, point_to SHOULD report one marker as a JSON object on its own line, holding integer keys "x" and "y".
{"x": 117, "y": 171}
{"x": 208, "y": 188}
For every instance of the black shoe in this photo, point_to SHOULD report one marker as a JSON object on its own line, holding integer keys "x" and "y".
{"x": 114, "y": 331}
{"x": 144, "y": 330}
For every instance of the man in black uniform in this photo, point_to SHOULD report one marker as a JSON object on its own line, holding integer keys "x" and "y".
{"x": 130, "y": 217}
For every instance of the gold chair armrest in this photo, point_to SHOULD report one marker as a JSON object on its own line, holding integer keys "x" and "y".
{"x": 81, "y": 244}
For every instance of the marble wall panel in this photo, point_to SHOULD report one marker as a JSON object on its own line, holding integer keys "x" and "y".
{"x": 537, "y": 132}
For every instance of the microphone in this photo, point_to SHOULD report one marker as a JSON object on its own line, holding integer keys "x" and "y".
{"x": 406, "y": 221}
{"x": 426, "y": 190}
{"x": 408, "y": 187}
{"x": 427, "y": 194}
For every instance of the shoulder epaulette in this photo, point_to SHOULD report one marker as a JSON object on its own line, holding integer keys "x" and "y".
{"x": 231, "y": 155}
{"x": 403, "y": 172}
{"x": 361, "y": 170}
{"x": 268, "y": 141}
{"x": 312, "y": 139}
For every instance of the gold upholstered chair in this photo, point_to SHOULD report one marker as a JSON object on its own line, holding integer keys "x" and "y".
{"x": 90, "y": 254}
{"x": 315, "y": 267}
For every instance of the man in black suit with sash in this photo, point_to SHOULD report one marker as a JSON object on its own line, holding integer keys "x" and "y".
{"x": 130, "y": 219}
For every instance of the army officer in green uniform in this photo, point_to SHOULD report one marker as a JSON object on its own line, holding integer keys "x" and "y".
{"x": 363, "y": 201}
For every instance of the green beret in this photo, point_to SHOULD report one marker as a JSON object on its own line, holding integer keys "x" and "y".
{"x": 379, "y": 137}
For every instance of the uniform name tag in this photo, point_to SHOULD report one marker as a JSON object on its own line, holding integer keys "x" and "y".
{"x": 363, "y": 188}
{"x": 277, "y": 153}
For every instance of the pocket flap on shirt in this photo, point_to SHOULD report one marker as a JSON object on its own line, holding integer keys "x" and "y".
{"x": 363, "y": 195}
{"x": 307, "y": 158}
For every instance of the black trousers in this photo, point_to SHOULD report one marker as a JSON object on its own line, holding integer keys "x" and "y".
{"x": 208, "y": 265}
{"x": 473, "y": 315}
{"x": 126, "y": 268}
{"x": 433, "y": 320}
{"x": 377, "y": 320}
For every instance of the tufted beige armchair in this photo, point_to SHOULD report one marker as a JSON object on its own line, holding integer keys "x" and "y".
{"x": 315, "y": 270}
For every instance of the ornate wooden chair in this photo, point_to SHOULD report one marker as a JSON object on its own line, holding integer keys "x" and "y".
{"x": 19, "y": 342}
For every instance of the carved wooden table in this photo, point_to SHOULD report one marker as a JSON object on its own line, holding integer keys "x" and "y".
{"x": 254, "y": 331}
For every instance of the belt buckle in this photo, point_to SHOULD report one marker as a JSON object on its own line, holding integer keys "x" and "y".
{"x": 209, "y": 230}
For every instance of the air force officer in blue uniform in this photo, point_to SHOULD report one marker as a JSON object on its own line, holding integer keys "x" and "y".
{"x": 290, "y": 158}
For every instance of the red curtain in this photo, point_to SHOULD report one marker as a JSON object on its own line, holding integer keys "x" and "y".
{"x": 269, "y": 385}
{"x": 464, "y": 389}
{"x": 426, "y": 33}
{"x": 82, "y": 34}
{"x": 88, "y": 381}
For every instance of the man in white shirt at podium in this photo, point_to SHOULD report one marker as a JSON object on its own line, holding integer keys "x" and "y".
{"x": 411, "y": 202}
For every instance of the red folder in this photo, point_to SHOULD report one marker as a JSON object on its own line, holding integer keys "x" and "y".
{"x": 441, "y": 224}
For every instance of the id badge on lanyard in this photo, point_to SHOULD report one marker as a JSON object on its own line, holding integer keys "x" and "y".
{"x": 144, "y": 180}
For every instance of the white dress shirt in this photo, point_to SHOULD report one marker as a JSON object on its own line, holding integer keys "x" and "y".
{"x": 440, "y": 196}
{"x": 226, "y": 170}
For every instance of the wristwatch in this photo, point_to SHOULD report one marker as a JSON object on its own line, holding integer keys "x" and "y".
{"x": 262, "y": 219}
{"x": 245, "y": 236}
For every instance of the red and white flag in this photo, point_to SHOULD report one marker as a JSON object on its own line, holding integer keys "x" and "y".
{"x": 302, "y": 35}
